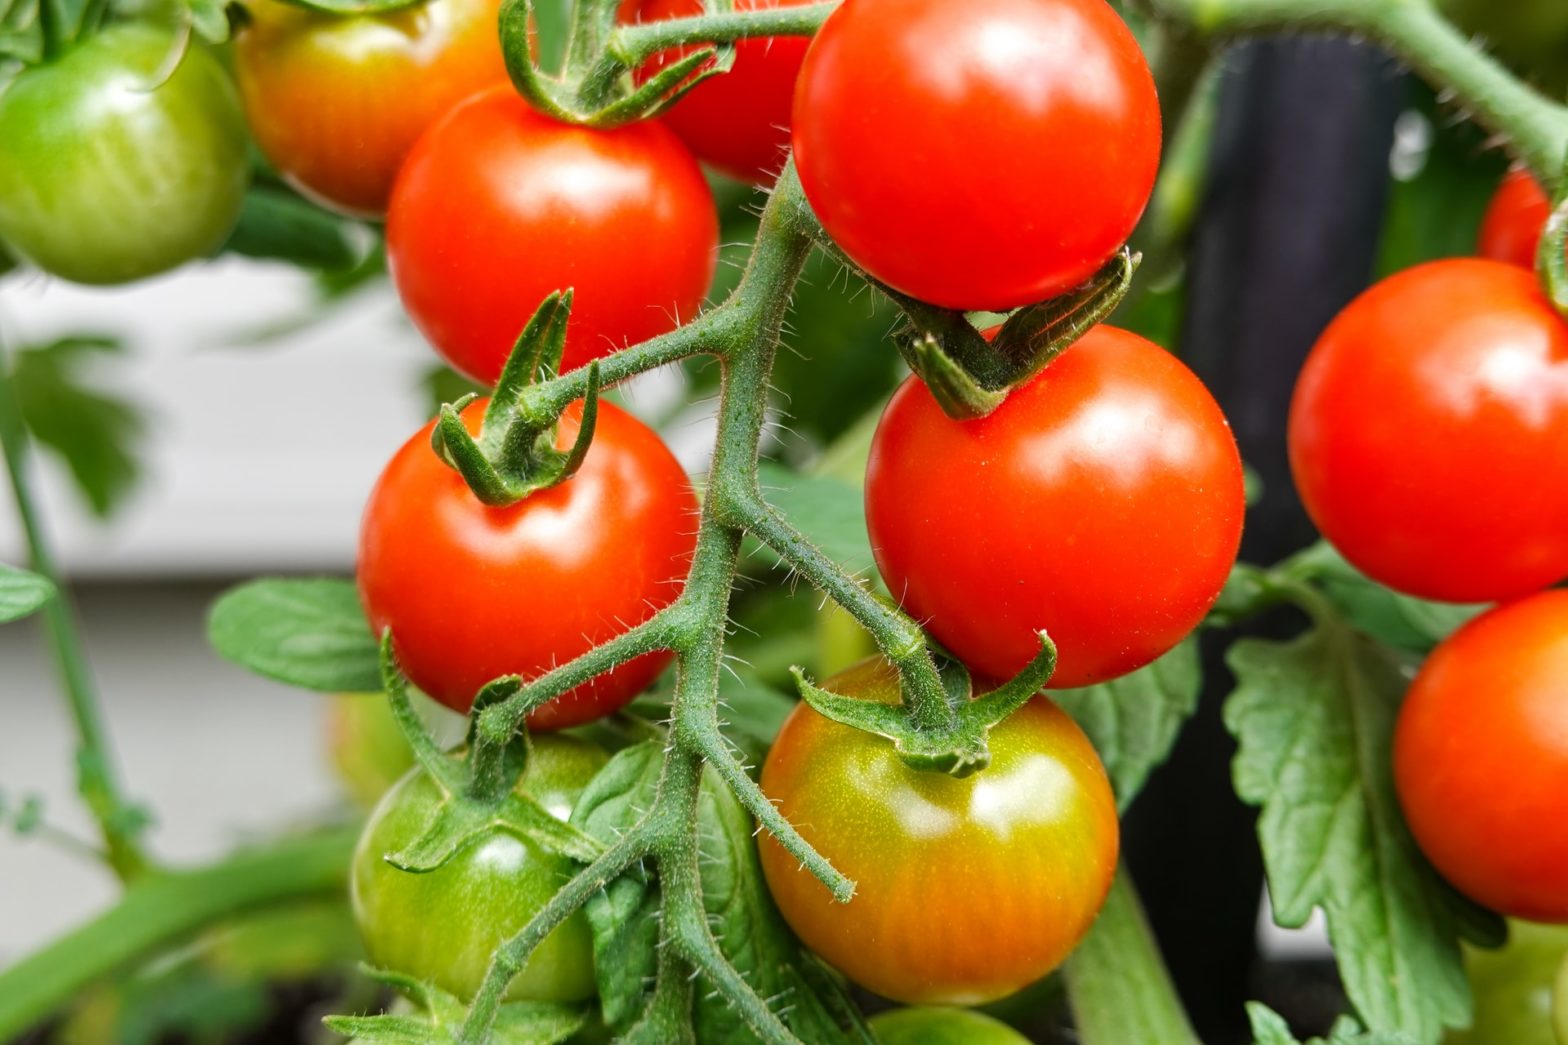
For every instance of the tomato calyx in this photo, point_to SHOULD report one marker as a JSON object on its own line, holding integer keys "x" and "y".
{"x": 440, "y": 1015}
{"x": 1551, "y": 264}
{"x": 515, "y": 453}
{"x": 968, "y": 376}
{"x": 957, "y": 751}
{"x": 477, "y": 782}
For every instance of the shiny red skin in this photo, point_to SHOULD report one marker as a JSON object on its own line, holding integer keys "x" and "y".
{"x": 739, "y": 122}
{"x": 336, "y": 102}
{"x": 966, "y": 889}
{"x": 1481, "y": 758}
{"x": 472, "y": 593}
{"x": 980, "y": 155}
{"x": 1102, "y": 502}
{"x": 1515, "y": 219}
{"x": 1428, "y": 427}
{"x": 499, "y": 206}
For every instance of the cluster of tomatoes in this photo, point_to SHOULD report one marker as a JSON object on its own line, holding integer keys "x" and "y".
{"x": 1427, "y": 434}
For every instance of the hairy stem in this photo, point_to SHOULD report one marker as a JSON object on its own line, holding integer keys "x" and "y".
{"x": 633, "y": 44}
{"x": 119, "y": 821}
{"x": 162, "y": 909}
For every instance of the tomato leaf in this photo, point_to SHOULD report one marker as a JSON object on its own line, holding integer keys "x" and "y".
{"x": 309, "y": 633}
{"x": 209, "y": 19}
{"x": 830, "y": 512}
{"x": 442, "y": 1016}
{"x": 749, "y": 930}
{"x": 1269, "y": 1028}
{"x": 1134, "y": 720}
{"x": 22, "y": 593}
{"x": 95, "y": 433}
{"x": 1314, "y": 718}
{"x": 1399, "y": 620}
{"x": 277, "y": 225}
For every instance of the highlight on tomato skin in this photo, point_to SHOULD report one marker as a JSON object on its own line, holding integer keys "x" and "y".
{"x": 977, "y": 156}
{"x": 472, "y": 593}
{"x": 1102, "y": 502}
{"x": 498, "y": 206}
{"x": 1471, "y": 355}
{"x": 1481, "y": 758}
{"x": 336, "y": 102}
{"x": 967, "y": 889}
{"x": 737, "y": 123}
{"x": 1515, "y": 219}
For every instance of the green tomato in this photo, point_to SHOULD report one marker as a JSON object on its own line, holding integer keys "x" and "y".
{"x": 366, "y": 746}
{"x": 115, "y": 167}
{"x": 1560, "y": 1003}
{"x": 444, "y": 925}
{"x": 942, "y": 1026}
{"x": 1513, "y": 987}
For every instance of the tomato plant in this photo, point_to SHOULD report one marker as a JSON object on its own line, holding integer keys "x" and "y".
{"x": 442, "y": 925}
{"x": 472, "y": 592}
{"x": 1514, "y": 220}
{"x": 978, "y": 156}
{"x": 1481, "y": 758}
{"x": 939, "y": 1026}
{"x": 1117, "y": 548}
{"x": 1471, "y": 355}
{"x": 1033, "y": 839}
{"x": 739, "y": 122}
{"x": 498, "y": 206}
{"x": 336, "y": 102}
{"x": 118, "y": 167}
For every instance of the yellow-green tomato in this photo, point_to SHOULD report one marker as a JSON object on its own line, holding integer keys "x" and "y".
{"x": 966, "y": 889}
{"x": 121, "y": 159}
{"x": 1560, "y": 1004}
{"x": 1512, "y": 987}
{"x": 942, "y": 1026}
{"x": 444, "y": 925}
{"x": 366, "y": 746}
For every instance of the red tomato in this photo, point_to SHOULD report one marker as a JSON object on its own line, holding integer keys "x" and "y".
{"x": 1428, "y": 426}
{"x": 472, "y": 593}
{"x": 336, "y": 102}
{"x": 1101, "y": 502}
{"x": 1514, "y": 221}
{"x": 498, "y": 206}
{"x": 738, "y": 122}
{"x": 966, "y": 889}
{"x": 1481, "y": 758}
{"x": 982, "y": 155}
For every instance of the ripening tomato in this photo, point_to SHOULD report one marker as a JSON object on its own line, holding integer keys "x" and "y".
{"x": 121, "y": 159}
{"x": 966, "y": 889}
{"x": 472, "y": 592}
{"x": 1425, "y": 429}
{"x": 1102, "y": 502}
{"x": 1512, "y": 988}
{"x": 497, "y": 207}
{"x": 337, "y": 101}
{"x": 1514, "y": 220}
{"x": 1481, "y": 758}
{"x": 737, "y": 122}
{"x": 982, "y": 155}
{"x": 942, "y": 1026}
{"x": 444, "y": 925}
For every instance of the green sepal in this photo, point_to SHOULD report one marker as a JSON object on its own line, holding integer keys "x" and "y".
{"x": 960, "y": 395}
{"x": 459, "y": 820}
{"x": 668, "y": 86}
{"x": 956, "y": 752}
{"x": 441, "y": 1015}
{"x": 1037, "y": 334}
{"x": 514, "y": 454}
{"x": 22, "y": 593}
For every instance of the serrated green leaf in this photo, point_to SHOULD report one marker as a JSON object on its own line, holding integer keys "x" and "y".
{"x": 277, "y": 225}
{"x": 95, "y": 433}
{"x": 22, "y": 593}
{"x": 309, "y": 633}
{"x": 747, "y": 926}
{"x": 830, "y": 512}
{"x": 1134, "y": 720}
{"x": 1314, "y": 719}
{"x": 387, "y": 1030}
{"x": 1399, "y": 620}
{"x": 1269, "y": 1028}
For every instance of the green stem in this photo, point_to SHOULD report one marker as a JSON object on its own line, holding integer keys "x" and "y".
{"x": 119, "y": 821}
{"x": 162, "y": 909}
{"x": 1117, "y": 982}
{"x": 631, "y": 45}
{"x": 1535, "y": 126}
{"x": 1551, "y": 256}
